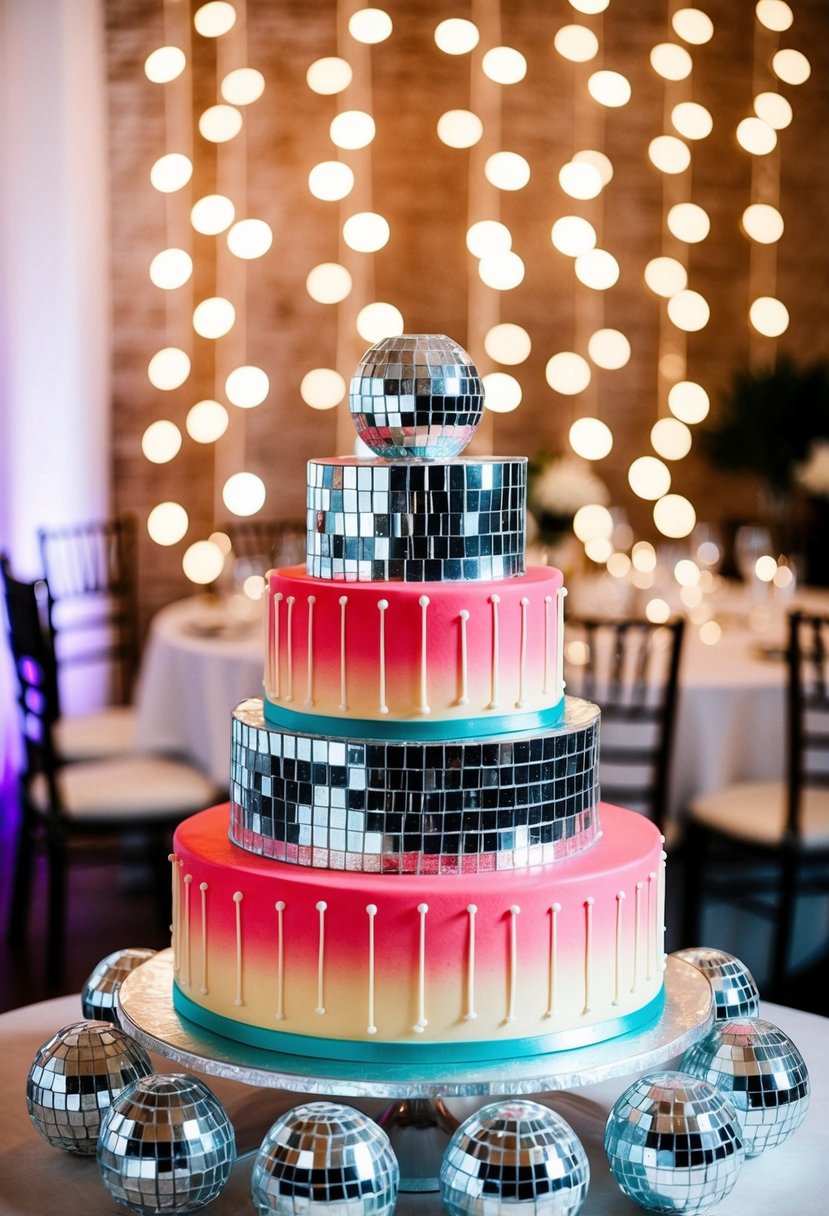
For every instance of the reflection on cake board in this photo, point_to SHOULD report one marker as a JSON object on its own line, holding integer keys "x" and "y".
{"x": 147, "y": 1014}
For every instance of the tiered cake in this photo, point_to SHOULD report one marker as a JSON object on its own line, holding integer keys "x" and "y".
{"x": 414, "y": 864}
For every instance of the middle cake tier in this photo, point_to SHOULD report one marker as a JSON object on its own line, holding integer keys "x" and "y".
{"x": 415, "y": 660}
{"x": 419, "y": 807}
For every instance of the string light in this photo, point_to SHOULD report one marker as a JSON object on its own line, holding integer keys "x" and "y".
{"x": 508, "y": 343}
{"x": 167, "y": 523}
{"x": 328, "y": 283}
{"x": 322, "y": 388}
{"x": 457, "y": 36}
{"x": 459, "y": 128}
{"x": 329, "y": 76}
{"x": 502, "y": 392}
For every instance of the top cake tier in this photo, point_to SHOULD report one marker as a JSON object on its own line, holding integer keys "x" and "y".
{"x": 454, "y": 520}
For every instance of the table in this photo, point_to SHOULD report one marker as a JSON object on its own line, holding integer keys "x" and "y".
{"x": 201, "y": 660}
{"x": 35, "y": 1178}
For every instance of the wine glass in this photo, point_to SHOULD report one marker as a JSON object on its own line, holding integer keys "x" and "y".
{"x": 750, "y": 542}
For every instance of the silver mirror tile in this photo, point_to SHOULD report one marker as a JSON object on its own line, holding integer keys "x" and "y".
{"x": 448, "y": 520}
{"x": 415, "y": 807}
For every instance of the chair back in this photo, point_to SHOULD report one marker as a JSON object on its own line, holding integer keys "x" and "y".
{"x": 268, "y": 542}
{"x": 34, "y": 666}
{"x": 807, "y": 710}
{"x": 91, "y": 576}
{"x": 630, "y": 669}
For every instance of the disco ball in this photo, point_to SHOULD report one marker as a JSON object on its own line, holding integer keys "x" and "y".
{"x": 166, "y": 1145}
{"x": 416, "y": 395}
{"x": 761, "y": 1072}
{"x": 735, "y": 992}
{"x": 75, "y": 1077}
{"x": 673, "y": 1143}
{"x": 514, "y": 1153}
{"x": 99, "y": 995}
{"x": 324, "y": 1159}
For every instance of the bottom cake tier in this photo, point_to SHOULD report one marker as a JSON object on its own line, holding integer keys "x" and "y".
{"x": 427, "y": 967}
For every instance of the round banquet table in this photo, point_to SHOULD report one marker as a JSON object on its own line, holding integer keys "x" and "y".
{"x": 37, "y": 1178}
{"x": 202, "y": 659}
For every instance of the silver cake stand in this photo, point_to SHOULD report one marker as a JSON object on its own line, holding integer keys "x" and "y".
{"x": 417, "y": 1121}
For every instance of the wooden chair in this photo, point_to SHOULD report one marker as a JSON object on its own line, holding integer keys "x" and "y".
{"x": 630, "y": 668}
{"x": 761, "y": 845}
{"x": 88, "y": 803}
{"x": 90, "y": 573}
{"x": 279, "y": 542}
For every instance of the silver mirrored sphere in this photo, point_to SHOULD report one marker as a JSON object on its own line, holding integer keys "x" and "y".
{"x": 74, "y": 1078}
{"x": 99, "y": 995}
{"x": 166, "y": 1145}
{"x": 761, "y": 1072}
{"x": 735, "y": 992}
{"x": 416, "y": 395}
{"x": 514, "y": 1153}
{"x": 673, "y": 1143}
{"x": 325, "y": 1158}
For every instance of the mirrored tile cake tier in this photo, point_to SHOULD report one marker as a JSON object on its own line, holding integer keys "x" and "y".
{"x": 416, "y": 521}
{"x": 452, "y": 806}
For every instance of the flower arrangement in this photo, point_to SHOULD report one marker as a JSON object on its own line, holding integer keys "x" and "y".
{"x": 813, "y": 474}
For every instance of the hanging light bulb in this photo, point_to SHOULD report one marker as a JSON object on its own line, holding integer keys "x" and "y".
{"x": 649, "y": 478}
{"x": 242, "y": 86}
{"x": 609, "y": 349}
{"x": 366, "y": 232}
{"x": 501, "y": 271}
{"x": 456, "y": 36}
{"x": 352, "y": 129}
{"x": 671, "y": 62}
{"x": 244, "y": 494}
{"x": 171, "y": 269}
{"x": 762, "y": 223}
{"x": 214, "y": 19}
{"x": 203, "y": 562}
{"x": 214, "y": 317}
{"x": 370, "y": 25}
{"x": 220, "y": 123}
{"x": 167, "y": 523}
{"x": 688, "y": 401}
{"x": 689, "y": 311}
{"x": 328, "y": 283}
{"x": 168, "y": 368}
{"x": 674, "y": 516}
{"x": 331, "y": 180}
{"x": 665, "y": 276}
{"x": 249, "y": 239}
{"x": 597, "y": 269}
{"x": 161, "y": 441}
{"x": 379, "y": 320}
{"x": 769, "y": 316}
{"x": 610, "y": 89}
{"x": 576, "y": 43}
{"x": 507, "y": 171}
{"x": 590, "y": 438}
{"x": 246, "y": 387}
{"x": 567, "y": 373}
{"x": 487, "y": 237}
{"x": 670, "y": 439}
{"x": 692, "y": 120}
{"x": 212, "y": 214}
{"x": 170, "y": 172}
{"x": 573, "y": 235}
{"x": 692, "y": 26}
{"x": 507, "y": 343}
{"x": 688, "y": 222}
{"x": 322, "y": 388}
{"x": 502, "y": 392}
{"x": 164, "y": 64}
{"x": 329, "y": 75}
{"x": 459, "y": 129}
{"x": 504, "y": 65}
{"x": 207, "y": 421}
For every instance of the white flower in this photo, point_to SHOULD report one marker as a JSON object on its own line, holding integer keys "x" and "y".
{"x": 565, "y": 484}
{"x": 813, "y": 474}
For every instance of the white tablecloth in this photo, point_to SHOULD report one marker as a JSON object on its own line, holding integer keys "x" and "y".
{"x": 35, "y": 1178}
{"x": 729, "y": 724}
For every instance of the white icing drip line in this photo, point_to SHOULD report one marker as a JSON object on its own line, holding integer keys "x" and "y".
{"x": 651, "y": 935}
{"x": 496, "y": 658}
{"x": 522, "y": 663}
{"x": 188, "y": 882}
{"x": 382, "y": 606}
{"x": 637, "y": 916}
{"x": 343, "y": 699}
{"x": 371, "y": 909}
{"x": 552, "y": 989}
{"x": 423, "y": 707}
{"x": 309, "y": 691}
{"x": 548, "y": 599}
{"x": 660, "y": 921}
{"x": 617, "y": 974}
{"x": 321, "y": 908}
{"x": 267, "y": 679}
{"x": 463, "y": 699}
{"x": 237, "y": 899}
{"x": 171, "y": 857}
{"x": 422, "y": 1021}
{"x": 513, "y": 961}
{"x": 471, "y": 1014}
{"x": 559, "y": 685}
{"x": 289, "y": 645}
{"x": 275, "y": 670}
{"x": 588, "y": 952}
{"x": 280, "y": 961}
{"x": 203, "y": 889}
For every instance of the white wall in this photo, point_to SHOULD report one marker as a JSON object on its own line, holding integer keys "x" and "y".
{"x": 54, "y": 281}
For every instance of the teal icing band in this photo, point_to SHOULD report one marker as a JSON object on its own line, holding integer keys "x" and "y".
{"x": 406, "y": 1053}
{"x": 440, "y": 729}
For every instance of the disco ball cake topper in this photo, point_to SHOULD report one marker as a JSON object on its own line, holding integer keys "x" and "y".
{"x": 416, "y": 396}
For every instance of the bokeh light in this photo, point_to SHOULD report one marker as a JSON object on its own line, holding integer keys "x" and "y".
{"x": 214, "y": 317}
{"x": 762, "y": 223}
{"x": 246, "y": 387}
{"x": 170, "y": 172}
{"x": 214, "y": 19}
{"x": 774, "y": 15}
{"x": 692, "y": 120}
{"x": 504, "y": 65}
{"x": 649, "y": 478}
{"x": 609, "y": 349}
{"x": 756, "y": 136}
{"x": 567, "y": 373}
{"x": 459, "y": 128}
{"x": 329, "y": 75}
{"x": 670, "y": 439}
{"x": 610, "y": 89}
{"x": 688, "y": 222}
{"x": 169, "y": 368}
{"x": 366, "y": 232}
{"x": 502, "y": 392}
{"x": 328, "y": 283}
{"x": 774, "y": 109}
{"x": 206, "y": 421}
{"x": 164, "y": 64}
{"x": 212, "y": 214}
{"x": 573, "y": 235}
{"x": 688, "y": 401}
{"x": 769, "y": 316}
{"x": 507, "y": 171}
{"x": 167, "y": 523}
{"x": 576, "y": 43}
{"x": 379, "y": 320}
{"x": 501, "y": 271}
{"x": 220, "y": 123}
{"x": 692, "y": 26}
{"x": 161, "y": 441}
{"x": 591, "y": 521}
{"x": 597, "y": 269}
{"x": 242, "y": 86}
{"x": 580, "y": 179}
{"x": 456, "y": 36}
{"x": 590, "y": 438}
{"x": 370, "y": 25}
{"x": 249, "y": 239}
{"x": 665, "y": 276}
{"x": 203, "y": 562}
{"x": 486, "y": 237}
{"x": 670, "y": 61}
{"x": 669, "y": 154}
{"x": 171, "y": 268}
{"x": 244, "y": 494}
{"x": 322, "y": 388}
{"x": 601, "y": 163}
{"x": 331, "y": 180}
{"x": 792, "y": 67}
{"x": 674, "y": 516}
{"x": 507, "y": 343}
{"x": 689, "y": 311}
{"x": 352, "y": 129}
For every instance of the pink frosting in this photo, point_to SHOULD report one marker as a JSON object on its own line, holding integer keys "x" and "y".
{"x": 341, "y": 655}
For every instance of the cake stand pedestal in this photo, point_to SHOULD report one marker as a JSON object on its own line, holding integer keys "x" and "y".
{"x": 417, "y": 1120}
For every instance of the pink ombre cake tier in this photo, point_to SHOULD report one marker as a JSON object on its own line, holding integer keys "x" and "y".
{"x": 398, "y": 967}
{"x": 414, "y": 652}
